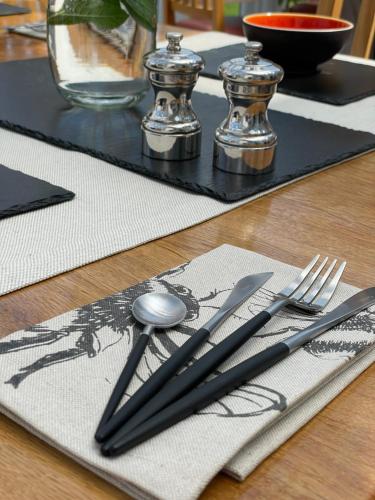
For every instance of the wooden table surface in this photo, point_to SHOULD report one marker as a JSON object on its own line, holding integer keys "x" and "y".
{"x": 333, "y": 212}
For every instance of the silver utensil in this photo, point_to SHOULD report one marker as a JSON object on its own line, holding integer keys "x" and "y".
{"x": 213, "y": 390}
{"x": 154, "y": 310}
{"x": 309, "y": 292}
{"x": 158, "y": 310}
{"x": 242, "y": 290}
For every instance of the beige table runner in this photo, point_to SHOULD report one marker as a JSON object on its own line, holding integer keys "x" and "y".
{"x": 56, "y": 377}
{"x": 115, "y": 209}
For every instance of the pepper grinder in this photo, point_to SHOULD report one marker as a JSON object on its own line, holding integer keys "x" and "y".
{"x": 171, "y": 129}
{"x": 245, "y": 142}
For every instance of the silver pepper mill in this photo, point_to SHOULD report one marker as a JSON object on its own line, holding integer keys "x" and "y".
{"x": 245, "y": 142}
{"x": 171, "y": 129}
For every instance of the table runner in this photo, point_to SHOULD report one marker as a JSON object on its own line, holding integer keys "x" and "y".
{"x": 113, "y": 195}
{"x": 115, "y": 210}
{"x": 57, "y": 376}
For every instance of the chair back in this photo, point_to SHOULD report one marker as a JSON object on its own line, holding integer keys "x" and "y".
{"x": 364, "y": 29}
{"x": 212, "y": 10}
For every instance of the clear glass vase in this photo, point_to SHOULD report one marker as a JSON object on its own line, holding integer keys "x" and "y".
{"x": 99, "y": 68}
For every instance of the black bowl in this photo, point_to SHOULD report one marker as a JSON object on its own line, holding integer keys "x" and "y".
{"x": 298, "y": 42}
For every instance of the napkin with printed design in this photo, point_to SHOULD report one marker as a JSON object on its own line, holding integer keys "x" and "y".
{"x": 56, "y": 377}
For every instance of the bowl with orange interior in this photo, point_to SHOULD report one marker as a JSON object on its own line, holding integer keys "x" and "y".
{"x": 298, "y": 42}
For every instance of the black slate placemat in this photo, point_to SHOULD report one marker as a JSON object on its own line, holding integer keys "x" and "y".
{"x": 12, "y": 10}
{"x": 20, "y": 193}
{"x": 337, "y": 82}
{"x": 30, "y": 104}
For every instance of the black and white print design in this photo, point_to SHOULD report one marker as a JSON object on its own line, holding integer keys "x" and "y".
{"x": 114, "y": 312}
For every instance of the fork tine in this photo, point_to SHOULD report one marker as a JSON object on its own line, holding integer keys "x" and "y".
{"x": 317, "y": 287}
{"x": 329, "y": 290}
{"x": 292, "y": 287}
{"x": 309, "y": 281}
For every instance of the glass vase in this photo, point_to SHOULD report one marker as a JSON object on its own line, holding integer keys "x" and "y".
{"x": 97, "y": 67}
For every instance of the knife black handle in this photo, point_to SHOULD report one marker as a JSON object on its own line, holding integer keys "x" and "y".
{"x": 197, "y": 372}
{"x": 197, "y": 399}
{"x": 124, "y": 380}
{"x": 153, "y": 384}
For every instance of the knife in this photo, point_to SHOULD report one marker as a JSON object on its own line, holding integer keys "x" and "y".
{"x": 242, "y": 291}
{"x": 206, "y": 394}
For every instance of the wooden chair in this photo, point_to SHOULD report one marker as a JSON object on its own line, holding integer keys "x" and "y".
{"x": 364, "y": 33}
{"x": 202, "y": 10}
{"x": 330, "y": 7}
{"x": 364, "y": 30}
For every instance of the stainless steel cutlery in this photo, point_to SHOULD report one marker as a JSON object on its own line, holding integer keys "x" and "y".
{"x": 242, "y": 290}
{"x": 310, "y": 292}
{"x": 226, "y": 382}
{"x": 162, "y": 402}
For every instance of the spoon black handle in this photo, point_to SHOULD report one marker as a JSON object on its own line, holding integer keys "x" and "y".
{"x": 197, "y": 372}
{"x": 157, "y": 380}
{"x": 124, "y": 380}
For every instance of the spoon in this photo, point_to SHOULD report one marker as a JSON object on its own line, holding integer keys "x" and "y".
{"x": 154, "y": 310}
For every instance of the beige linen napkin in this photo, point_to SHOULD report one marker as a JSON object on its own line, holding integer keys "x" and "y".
{"x": 259, "y": 448}
{"x": 56, "y": 377}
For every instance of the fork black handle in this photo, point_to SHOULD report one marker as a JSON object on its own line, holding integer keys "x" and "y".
{"x": 197, "y": 399}
{"x": 194, "y": 374}
{"x": 152, "y": 385}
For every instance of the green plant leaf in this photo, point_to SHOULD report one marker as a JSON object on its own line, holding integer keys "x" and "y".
{"x": 105, "y": 14}
{"x": 142, "y": 11}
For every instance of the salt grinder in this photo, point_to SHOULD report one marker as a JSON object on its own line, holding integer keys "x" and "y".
{"x": 245, "y": 142}
{"x": 171, "y": 129}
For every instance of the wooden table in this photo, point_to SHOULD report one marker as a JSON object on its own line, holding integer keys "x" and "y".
{"x": 333, "y": 213}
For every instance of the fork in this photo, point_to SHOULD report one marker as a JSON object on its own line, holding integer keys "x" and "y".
{"x": 309, "y": 292}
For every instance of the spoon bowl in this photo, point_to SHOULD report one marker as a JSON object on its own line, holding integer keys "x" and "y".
{"x": 161, "y": 310}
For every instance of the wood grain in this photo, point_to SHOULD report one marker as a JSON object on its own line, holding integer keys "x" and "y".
{"x": 364, "y": 31}
{"x": 330, "y": 8}
{"x": 333, "y": 212}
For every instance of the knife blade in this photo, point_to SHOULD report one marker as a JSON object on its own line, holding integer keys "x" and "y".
{"x": 224, "y": 383}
